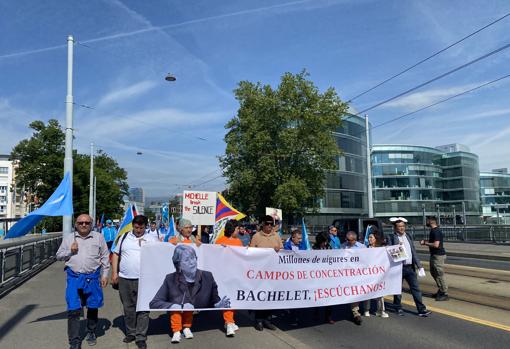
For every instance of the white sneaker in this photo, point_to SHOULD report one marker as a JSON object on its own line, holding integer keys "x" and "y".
{"x": 187, "y": 333}
{"x": 366, "y": 314}
{"x": 231, "y": 330}
{"x": 176, "y": 338}
{"x": 383, "y": 314}
{"x": 236, "y": 328}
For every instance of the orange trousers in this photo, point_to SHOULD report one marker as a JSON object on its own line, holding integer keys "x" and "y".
{"x": 228, "y": 316}
{"x": 180, "y": 319}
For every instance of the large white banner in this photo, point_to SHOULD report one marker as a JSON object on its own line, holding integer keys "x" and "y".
{"x": 259, "y": 278}
{"x": 199, "y": 207}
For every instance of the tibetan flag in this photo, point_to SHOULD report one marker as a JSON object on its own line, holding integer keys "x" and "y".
{"x": 224, "y": 213}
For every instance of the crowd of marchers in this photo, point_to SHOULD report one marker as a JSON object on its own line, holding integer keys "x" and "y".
{"x": 93, "y": 259}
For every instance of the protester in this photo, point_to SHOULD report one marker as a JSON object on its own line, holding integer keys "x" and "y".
{"x": 184, "y": 236}
{"x": 295, "y": 241}
{"x": 437, "y": 258}
{"x": 186, "y": 289}
{"x": 204, "y": 235}
{"x": 374, "y": 240}
{"x": 405, "y": 240}
{"x": 125, "y": 274}
{"x": 323, "y": 242}
{"x": 334, "y": 240}
{"x": 109, "y": 233}
{"x": 244, "y": 235}
{"x": 154, "y": 232}
{"x": 163, "y": 229}
{"x": 352, "y": 243}
{"x": 229, "y": 238}
{"x": 86, "y": 264}
{"x": 266, "y": 238}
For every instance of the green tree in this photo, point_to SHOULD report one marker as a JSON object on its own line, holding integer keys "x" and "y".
{"x": 41, "y": 166}
{"x": 280, "y": 145}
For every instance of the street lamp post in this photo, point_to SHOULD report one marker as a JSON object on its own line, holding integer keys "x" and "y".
{"x": 454, "y": 216}
{"x": 438, "y": 215}
{"x": 91, "y": 183}
{"x": 68, "y": 159}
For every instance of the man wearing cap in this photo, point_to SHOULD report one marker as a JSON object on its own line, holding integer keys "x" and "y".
{"x": 352, "y": 243}
{"x": 86, "y": 264}
{"x": 266, "y": 238}
{"x": 109, "y": 233}
{"x": 400, "y": 237}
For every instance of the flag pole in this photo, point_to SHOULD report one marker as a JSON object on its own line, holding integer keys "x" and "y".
{"x": 68, "y": 159}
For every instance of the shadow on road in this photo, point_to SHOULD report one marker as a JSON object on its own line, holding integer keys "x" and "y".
{"x": 16, "y": 319}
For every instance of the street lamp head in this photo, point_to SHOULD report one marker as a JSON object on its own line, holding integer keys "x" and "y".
{"x": 170, "y": 77}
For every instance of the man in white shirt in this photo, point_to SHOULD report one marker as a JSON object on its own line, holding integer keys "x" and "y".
{"x": 153, "y": 231}
{"x": 125, "y": 273}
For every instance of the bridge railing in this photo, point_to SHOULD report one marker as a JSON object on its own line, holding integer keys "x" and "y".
{"x": 20, "y": 258}
{"x": 496, "y": 233}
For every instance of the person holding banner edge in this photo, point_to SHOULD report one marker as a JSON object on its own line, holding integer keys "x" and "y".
{"x": 400, "y": 237}
{"x": 186, "y": 289}
{"x": 126, "y": 275}
{"x": 229, "y": 238}
{"x": 266, "y": 238}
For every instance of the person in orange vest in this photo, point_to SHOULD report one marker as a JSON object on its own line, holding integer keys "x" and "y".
{"x": 230, "y": 238}
{"x": 185, "y": 228}
{"x": 182, "y": 320}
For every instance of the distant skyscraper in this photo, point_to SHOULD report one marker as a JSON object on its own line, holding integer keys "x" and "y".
{"x": 137, "y": 195}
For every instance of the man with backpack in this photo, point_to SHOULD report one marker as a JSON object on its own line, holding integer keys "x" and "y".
{"x": 125, "y": 274}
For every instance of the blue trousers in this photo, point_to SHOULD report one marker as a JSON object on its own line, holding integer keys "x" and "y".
{"x": 409, "y": 275}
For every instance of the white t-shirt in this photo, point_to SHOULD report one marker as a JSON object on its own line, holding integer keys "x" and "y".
{"x": 130, "y": 258}
{"x": 405, "y": 242}
{"x": 154, "y": 233}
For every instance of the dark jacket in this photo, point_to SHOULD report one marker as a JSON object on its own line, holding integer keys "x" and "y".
{"x": 174, "y": 290}
{"x": 393, "y": 240}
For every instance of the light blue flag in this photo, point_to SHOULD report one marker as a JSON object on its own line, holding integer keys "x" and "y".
{"x": 304, "y": 234}
{"x": 60, "y": 203}
{"x": 367, "y": 233}
{"x": 171, "y": 230}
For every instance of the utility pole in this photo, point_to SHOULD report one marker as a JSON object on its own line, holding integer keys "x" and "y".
{"x": 68, "y": 159}
{"x": 91, "y": 180}
{"x": 369, "y": 170}
{"x": 94, "y": 211}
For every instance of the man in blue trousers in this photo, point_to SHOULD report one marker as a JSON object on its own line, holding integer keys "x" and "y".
{"x": 85, "y": 254}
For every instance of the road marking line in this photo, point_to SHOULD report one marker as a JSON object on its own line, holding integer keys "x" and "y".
{"x": 461, "y": 316}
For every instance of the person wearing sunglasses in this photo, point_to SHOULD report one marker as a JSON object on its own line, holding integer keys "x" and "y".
{"x": 266, "y": 238}
{"x": 86, "y": 258}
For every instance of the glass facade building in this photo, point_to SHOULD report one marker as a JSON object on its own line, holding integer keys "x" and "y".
{"x": 412, "y": 181}
{"x": 495, "y": 196}
{"x": 346, "y": 187}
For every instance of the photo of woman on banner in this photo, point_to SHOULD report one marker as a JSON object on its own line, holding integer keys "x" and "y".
{"x": 186, "y": 289}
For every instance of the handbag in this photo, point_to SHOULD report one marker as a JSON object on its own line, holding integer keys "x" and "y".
{"x": 116, "y": 286}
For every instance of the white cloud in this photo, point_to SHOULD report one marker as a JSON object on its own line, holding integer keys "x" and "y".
{"x": 127, "y": 92}
{"x": 421, "y": 99}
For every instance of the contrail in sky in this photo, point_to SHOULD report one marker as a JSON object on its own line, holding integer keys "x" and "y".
{"x": 156, "y": 28}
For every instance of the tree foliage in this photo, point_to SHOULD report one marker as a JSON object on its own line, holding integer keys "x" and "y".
{"x": 280, "y": 144}
{"x": 41, "y": 167}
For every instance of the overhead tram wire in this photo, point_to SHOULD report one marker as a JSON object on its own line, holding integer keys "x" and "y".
{"x": 465, "y": 65}
{"x": 438, "y": 102}
{"x": 428, "y": 58}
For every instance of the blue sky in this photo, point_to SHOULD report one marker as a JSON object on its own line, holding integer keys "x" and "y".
{"x": 211, "y": 45}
